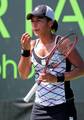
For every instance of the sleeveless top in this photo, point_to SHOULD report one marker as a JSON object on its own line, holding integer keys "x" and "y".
{"x": 50, "y": 94}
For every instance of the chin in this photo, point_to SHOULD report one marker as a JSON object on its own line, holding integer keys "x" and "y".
{"x": 36, "y": 34}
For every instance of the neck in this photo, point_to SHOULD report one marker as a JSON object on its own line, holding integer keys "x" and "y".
{"x": 47, "y": 38}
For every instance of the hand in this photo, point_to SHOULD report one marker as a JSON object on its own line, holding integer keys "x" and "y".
{"x": 25, "y": 41}
{"x": 47, "y": 77}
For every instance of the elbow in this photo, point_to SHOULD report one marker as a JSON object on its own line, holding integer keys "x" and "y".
{"x": 82, "y": 70}
{"x": 22, "y": 73}
{"x": 23, "y": 77}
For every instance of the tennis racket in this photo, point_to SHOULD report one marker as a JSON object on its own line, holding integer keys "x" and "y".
{"x": 65, "y": 45}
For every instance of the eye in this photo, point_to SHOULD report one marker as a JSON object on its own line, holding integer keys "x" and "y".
{"x": 37, "y": 20}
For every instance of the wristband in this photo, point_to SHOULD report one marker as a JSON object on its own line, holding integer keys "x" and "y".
{"x": 60, "y": 77}
{"x": 25, "y": 53}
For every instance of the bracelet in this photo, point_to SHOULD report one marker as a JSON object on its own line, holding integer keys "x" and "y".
{"x": 25, "y": 53}
{"x": 60, "y": 77}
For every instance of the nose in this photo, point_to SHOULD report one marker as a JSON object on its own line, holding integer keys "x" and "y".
{"x": 34, "y": 24}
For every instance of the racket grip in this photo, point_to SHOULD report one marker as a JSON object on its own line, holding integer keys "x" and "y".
{"x": 32, "y": 91}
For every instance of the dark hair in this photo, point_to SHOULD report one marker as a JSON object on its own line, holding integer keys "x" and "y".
{"x": 54, "y": 27}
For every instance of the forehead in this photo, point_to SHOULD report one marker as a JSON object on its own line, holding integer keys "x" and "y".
{"x": 37, "y": 17}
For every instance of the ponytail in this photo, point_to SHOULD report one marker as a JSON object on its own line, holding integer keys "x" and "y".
{"x": 54, "y": 26}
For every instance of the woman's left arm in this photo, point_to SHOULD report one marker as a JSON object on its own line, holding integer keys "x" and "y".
{"x": 78, "y": 63}
{"x": 77, "y": 71}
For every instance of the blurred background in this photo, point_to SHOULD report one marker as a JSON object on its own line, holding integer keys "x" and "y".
{"x": 70, "y": 16}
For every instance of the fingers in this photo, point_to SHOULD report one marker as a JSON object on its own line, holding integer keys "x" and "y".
{"x": 25, "y": 37}
{"x": 25, "y": 41}
{"x": 43, "y": 77}
{"x": 47, "y": 77}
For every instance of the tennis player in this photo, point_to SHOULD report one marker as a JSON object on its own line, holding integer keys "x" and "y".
{"x": 54, "y": 98}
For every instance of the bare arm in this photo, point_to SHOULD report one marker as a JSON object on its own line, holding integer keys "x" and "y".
{"x": 78, "y": 64}
{"x": 24, "y": 65}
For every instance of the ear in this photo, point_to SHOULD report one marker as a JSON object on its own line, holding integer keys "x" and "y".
{"x": 50, "y": 23}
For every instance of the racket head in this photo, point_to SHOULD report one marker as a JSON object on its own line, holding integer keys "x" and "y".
{"x": 65, "y": 45}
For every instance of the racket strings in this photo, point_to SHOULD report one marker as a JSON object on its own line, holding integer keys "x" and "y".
{"x": 70, "y": 46}
{"x": 65, "y": 50}
{"x": 67, "y": 44}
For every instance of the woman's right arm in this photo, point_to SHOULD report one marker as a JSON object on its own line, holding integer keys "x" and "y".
{"x": 24, "y": 65}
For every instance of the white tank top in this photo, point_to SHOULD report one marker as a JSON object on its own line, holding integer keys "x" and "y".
{"x": 49, "y": 94}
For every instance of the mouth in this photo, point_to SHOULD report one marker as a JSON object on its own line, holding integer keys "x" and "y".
{"x": 36, "y": 30}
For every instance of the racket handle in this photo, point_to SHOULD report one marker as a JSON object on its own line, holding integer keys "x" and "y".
{"x": 32, "y": 91}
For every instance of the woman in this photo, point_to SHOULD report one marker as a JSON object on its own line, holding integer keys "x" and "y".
{"x": 54, "y": 99}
